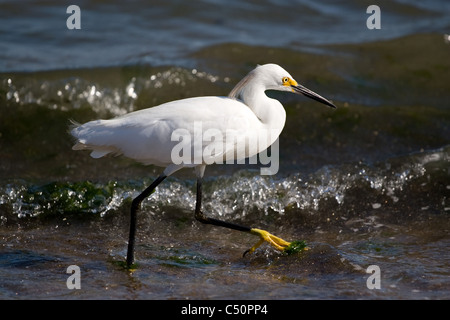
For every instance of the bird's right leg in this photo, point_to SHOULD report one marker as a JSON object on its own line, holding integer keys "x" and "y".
{"x": 134, "y": 208}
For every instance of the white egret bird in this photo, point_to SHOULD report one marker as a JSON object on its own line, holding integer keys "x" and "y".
{"x": 147, "y": 136}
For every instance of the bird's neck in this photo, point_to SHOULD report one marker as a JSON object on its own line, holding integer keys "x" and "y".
{"x": 269, "y": 111}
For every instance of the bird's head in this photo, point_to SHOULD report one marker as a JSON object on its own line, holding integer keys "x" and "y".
{"x": 273, "y": 77}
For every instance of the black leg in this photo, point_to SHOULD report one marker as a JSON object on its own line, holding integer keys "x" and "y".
{"x": 204, "y": 219}
{"x": 134, "y": 208}
{"x": 265, "y": 236}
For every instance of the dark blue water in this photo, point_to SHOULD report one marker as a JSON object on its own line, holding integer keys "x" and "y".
{"x": 365, "y": 184}
{"x": 34, "y": 36}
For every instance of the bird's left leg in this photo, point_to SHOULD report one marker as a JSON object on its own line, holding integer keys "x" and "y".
{"x": 276, "y": 242}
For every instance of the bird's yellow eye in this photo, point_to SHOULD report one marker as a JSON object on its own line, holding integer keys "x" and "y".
{"x": 285, "y": 80}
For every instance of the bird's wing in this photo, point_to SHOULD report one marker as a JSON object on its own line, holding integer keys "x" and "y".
{"x": 150, "y": 135}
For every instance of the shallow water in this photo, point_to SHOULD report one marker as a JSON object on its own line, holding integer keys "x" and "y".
{"x": 366, "y": 184}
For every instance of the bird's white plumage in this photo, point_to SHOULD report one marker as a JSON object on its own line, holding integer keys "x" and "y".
{"x": 145, "y": 135}
{"x": 248, "y": 115}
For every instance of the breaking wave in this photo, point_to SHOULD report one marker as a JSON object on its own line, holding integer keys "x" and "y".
{"x": 239, "y": 195}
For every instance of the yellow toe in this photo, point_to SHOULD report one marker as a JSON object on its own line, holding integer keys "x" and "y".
{"x": 265, "y": 236}
{"x": 276, "y": 242}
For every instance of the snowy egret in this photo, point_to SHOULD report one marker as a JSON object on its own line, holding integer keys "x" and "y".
{"x": 148, "y": 136}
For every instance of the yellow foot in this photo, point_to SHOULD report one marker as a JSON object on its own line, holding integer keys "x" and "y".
{"x": 278, "y": 243}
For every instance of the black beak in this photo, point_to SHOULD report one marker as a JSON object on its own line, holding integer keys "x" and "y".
{"x": 310, "y": 94}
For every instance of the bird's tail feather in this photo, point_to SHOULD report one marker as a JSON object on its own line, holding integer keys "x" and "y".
{"x": 81, "y": 142}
